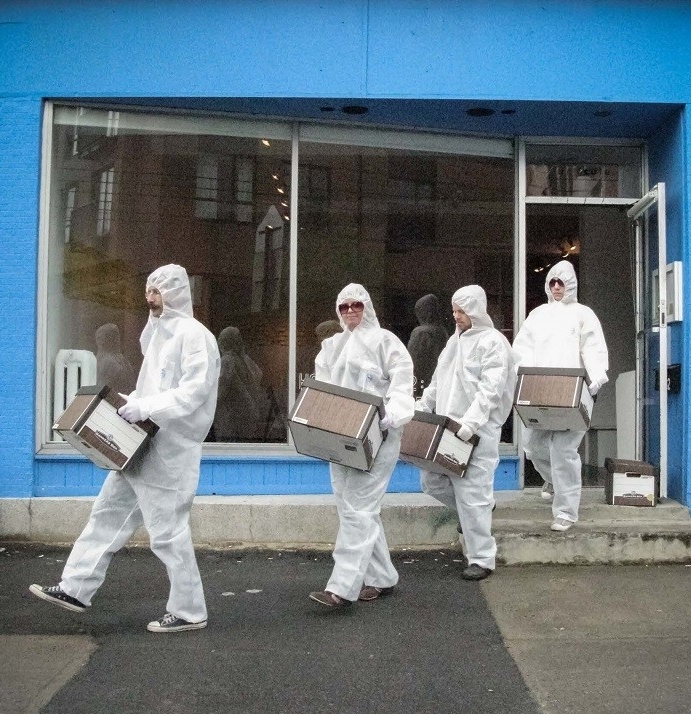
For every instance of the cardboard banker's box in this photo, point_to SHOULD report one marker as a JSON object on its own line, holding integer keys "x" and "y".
{"x": 429, "y": 442}
{"x": 92, "y": 425}
{"x": 553, "y": 399}
{"x": 337, "y": 424}
{"x": 631, "y": 483}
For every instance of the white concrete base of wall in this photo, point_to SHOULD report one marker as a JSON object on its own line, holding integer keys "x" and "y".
{"x": 604, "y": 534}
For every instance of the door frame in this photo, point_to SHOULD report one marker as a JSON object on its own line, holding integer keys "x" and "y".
{"x": 520, "y": 268}
{"x": 638, "y": 216}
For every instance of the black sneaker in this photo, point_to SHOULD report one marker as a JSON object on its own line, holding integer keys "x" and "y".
{"x": 171, "y": 623}
{"x": 476, "y": 572}
{"x": 55, "y": 595}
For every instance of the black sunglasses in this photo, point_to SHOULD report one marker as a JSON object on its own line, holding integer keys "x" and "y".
{"x": 354, "y": 306}
{"x": 556, "y": 281}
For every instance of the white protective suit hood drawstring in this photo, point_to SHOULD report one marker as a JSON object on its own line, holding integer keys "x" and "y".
{"x": 174, "y": 285}
{"x": 473, "y": 301}
{"x": 566, "y": 273}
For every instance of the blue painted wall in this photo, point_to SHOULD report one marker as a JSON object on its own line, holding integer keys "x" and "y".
{"x": 579, "y": 50}
{"x": 592, "y": 50}
{"x": 75, "y": 476}
{"x": 666, "y": 163}
{"x": 20, "y": 126}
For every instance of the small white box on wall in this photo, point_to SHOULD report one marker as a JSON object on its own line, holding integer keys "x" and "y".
{"x": 674, "y": 308}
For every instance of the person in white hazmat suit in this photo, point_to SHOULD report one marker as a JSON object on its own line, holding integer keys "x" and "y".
{"x": 369, "y": 359}
{"x": 473, "y": 384}
{"x": 561, "y": 333}
{"x": 176, "y": 388}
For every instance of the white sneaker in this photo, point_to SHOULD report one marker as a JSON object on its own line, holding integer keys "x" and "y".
{"x": 547, "y": 491}
{"x": 561, "y": 524}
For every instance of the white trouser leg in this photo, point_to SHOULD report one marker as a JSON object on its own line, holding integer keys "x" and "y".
{"x": 566, "y": 473}
{"x": 439, "y": 486}
{"x": 361, "y": 549}
{"x": 472, "y": 496}
{"x": 537, "y": 444}
{"x": 166, "y": 515}
{"x": 114, "y": 518}
{"x": 380, "y": 571}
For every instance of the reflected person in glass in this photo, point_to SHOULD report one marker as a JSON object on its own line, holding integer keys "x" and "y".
{"x": 427, "y": 340}
{"x": 113, "y": 368}
{"x": 242, "y": 404}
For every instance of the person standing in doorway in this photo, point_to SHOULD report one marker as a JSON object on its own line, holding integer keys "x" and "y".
{"x": 561, "y": 333}
{"x": 176, "y": 388}
{"x": 370, "y": 359}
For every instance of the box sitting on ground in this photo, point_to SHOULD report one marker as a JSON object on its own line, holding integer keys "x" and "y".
{"x": 92, "y": 425}
{"x": 429, "y": 442}
{"x": 337, "y": 424}
{"x": 553, "y": 399}
{"x": 631, "y": 483}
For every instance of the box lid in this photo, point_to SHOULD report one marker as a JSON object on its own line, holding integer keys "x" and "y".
{"x": 621, "y": 466}
{"x": 373, "y": 399}
{"x": 555, "y": 371}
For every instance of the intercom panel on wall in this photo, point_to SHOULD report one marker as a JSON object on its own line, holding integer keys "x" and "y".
{"x": 675, "y": 302}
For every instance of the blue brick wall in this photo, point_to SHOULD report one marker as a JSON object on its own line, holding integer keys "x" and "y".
{"x": 20, "y": 125}
{"x": 476, "y": 49}
{"x": 75, "y": 476}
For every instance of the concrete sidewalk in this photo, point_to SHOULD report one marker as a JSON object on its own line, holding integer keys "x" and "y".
{"x": 604, "y": 534}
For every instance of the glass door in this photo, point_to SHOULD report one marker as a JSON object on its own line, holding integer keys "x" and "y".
{"x": 648, "y": 226}
{"x": 595, "y": 239}
{"x": 573, "y": 197}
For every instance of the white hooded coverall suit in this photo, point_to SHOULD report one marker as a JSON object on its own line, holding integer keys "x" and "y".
{"x": 176, "y": 388}
{"x": 473, "y": 384}
{"x": 562, "y": 333}
{"x": 369, "y": 359}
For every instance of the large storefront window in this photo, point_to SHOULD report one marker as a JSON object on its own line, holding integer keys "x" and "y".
{"x": 132, "y": 192}
{"x": 413, "y": 217}
{"x": 412, "y": 226}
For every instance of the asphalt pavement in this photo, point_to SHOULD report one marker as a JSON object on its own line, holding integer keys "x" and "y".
{"x": 528, "y": 640}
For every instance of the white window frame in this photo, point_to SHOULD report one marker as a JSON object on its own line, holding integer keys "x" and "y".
{"x": 155, "y": 120}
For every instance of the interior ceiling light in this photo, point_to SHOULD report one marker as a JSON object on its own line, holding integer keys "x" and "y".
{"x": 266, "y": 142}
{"x": 479, "y": 112}
{"x": 354, "y": 109}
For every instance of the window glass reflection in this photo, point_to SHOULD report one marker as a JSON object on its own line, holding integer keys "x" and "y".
{"x": 412, "y": 227}
{"x": 583, "y": 171}
{"x": 130, "y": 193}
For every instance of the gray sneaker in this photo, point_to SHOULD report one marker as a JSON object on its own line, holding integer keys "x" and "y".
{"x": 561, "y": 524}
{"x": 171, "y": 623}
{"x": 547, "y": 491}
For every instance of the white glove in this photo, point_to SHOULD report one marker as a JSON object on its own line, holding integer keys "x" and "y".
{"x": 464, "y": 433}
{"x": 132, "y": 411}
{"x": 385, "y": 423}
{"x": 419, "y": 406}
{"x": 594, "y": 387}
